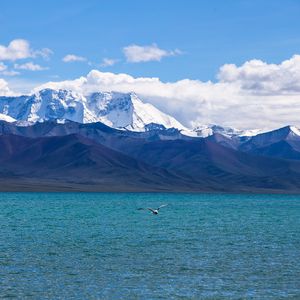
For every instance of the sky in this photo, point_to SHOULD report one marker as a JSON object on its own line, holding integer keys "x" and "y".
{"x": 226, "y": 62}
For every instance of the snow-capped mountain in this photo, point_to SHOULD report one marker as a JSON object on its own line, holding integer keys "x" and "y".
{"x": 283, "y": 143}
{"x": 128, "y": 112}
{"x": 44, "y": 105}
{"x": 117, "y": 110}
{"x": 289, "y": 134}
{"x": 211, "y": 129}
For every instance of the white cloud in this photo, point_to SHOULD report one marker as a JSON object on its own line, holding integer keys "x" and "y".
{"x": 10, "y": 73}
{"x": 73, "y": 58}
{"x": 108, "y": 62}
{"x": 44, "y": 53}
{"x": 256, "y": 76}
{"x": 254, "y": 95}
{"x": 4, "y": 70}
{"x": 20, "y": 49}
{"x": 4, "y": 89}
{"x": 29, "y": 66}
{"x": 16, "y": 49}
{"x": 135, "y": 53}
{"x": 3, "y": 67}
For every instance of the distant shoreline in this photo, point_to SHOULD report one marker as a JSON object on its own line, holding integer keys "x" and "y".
{"x": 53, "y": 186}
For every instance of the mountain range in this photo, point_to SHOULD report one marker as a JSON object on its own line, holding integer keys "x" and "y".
{"x": 58, "y": 140}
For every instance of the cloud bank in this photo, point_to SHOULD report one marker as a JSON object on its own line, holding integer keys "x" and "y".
{"x": 259, "y": 77}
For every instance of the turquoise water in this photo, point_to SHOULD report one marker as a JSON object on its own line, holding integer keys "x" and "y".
{"x": 99, "y": 246}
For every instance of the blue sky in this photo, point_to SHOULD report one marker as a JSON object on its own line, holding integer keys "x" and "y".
{"x": 208, "y": 33}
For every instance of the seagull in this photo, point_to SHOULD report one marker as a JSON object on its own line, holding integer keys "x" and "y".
{"x": 154, "y": 211}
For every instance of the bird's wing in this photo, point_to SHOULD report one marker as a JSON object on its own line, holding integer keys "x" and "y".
{"x": 151, "y": 209}
{"x": 141, "y": 208}
{"x": 162, "y": 206}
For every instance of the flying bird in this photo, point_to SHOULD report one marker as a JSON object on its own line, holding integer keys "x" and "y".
{"x": 153, "y": 211}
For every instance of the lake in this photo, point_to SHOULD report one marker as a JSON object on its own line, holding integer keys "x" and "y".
{"x": 100, "y": 246}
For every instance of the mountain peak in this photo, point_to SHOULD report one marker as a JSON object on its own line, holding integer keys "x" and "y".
{"x": 115, "y": 109}
{"x": 294, "y": 130}
{"x": 210, "y": 129}
{"x": 128, "y": 111}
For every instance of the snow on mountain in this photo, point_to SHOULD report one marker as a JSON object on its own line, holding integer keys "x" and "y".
{"x": 208, "y": 130}
{"x": 44, "y": 105}
{"x": 7, "y": 118}
{"x": 283, "y": 143}
{"x": 294, "y": 131}
{"x": 118, "y": 110}
{"x": 127, "y": 111}
{"x": 287, "y": 133}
